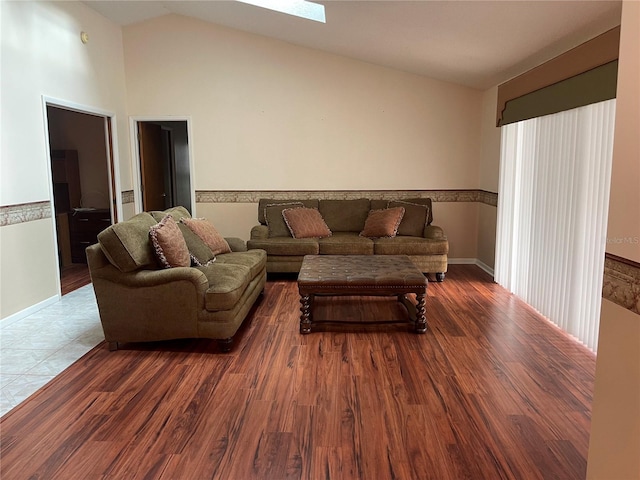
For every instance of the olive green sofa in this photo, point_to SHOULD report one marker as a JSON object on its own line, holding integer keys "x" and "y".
{"x": 139, "y": 301}
{"x": 427, "y": 245}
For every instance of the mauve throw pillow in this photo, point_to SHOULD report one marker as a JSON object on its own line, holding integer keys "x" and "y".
{"x": 208, "y": 233}
{"x": 305, "y": 223}
{"x": 169, "y": 244}
{"x": 382, "y": 223}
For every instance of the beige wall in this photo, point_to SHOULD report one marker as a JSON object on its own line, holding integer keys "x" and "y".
{"x": 489, "y": 171}
{"x": 232, "y": 219}
{"x": 614, "y": 450}
{"x": 128, "y": 211}
{"x": 25, "y": 263}
{"x": 486, "y": 240}
{"x": 623, "y": 232}
{"x": 42, "y": 55}
{"x": 459, "y": 220}
{"x": 614, "y": 446}
{"x": 488, "y": 177}
{"x": 268, "y": 115}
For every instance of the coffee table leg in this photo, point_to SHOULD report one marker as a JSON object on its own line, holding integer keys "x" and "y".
{"x": 421, "y": 319}
{"x": 305, "y": 316}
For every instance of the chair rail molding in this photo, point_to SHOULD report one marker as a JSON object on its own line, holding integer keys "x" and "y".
{"x": 621, "y": 282}
{"x": 253, "y": 196}
{"x": 24, "y": 212}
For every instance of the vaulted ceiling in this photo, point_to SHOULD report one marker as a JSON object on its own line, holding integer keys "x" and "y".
{"x": 475, "y": 43}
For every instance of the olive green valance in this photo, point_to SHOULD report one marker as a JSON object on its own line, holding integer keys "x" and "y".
{"x": 584, "y": 75}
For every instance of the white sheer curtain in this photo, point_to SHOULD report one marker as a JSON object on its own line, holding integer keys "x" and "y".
{"x": 555, "y": 173}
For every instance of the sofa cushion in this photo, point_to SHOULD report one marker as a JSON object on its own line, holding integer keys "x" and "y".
{"x": 345, "y": 215}
{"x": 275, "y": 220}
{"x": 236, "y": 244}
{"x": 379, "y": 204}
{"x": 422, "y": 201}
{"x": 127, "y": 244}
{"x": 227, "y": 283}
{"x": 169, "y": 244}
{"x": 204, "y": 229}
{"x": 414, "y": 219}
{"x": 200, "y": 253}
{"x": 382, "y": 223}
{"x": 176, "y": 212}
{"x": 263, "y": 202}
{"x": 305, "y": 223}
{"x": 285, "y": 246}
{"x": 345, "y": 243}
{"x": 254, "y": 260}
{"x": 401, "y": 245}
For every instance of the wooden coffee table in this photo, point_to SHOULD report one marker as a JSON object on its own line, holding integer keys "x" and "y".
{"x": 366, "y": 275}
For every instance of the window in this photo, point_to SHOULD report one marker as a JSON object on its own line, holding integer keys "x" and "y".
{"x": 552, "y": 214}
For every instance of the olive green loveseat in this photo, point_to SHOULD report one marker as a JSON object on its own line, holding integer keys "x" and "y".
{"x": 140, "y": 301}
{"x": 425, "y": 243}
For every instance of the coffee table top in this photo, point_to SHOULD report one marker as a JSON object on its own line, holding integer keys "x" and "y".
{"x": 333, "y": 272}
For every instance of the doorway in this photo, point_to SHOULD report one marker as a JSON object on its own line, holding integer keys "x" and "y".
{"x": 80, "y": 146}
{"x": 165, "y": 170}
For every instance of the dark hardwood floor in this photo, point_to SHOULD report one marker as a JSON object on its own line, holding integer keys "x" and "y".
{"x": 491, "y": 391}
{"x": 73, "y": 277}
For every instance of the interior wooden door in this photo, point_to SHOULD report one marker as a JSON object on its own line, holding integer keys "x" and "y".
{"x": 152, "y": 166}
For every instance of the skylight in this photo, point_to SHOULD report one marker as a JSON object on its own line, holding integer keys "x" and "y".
{"x": 298, "y": 8}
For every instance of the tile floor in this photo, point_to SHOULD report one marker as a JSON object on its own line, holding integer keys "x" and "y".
{"x": 34, "y": 349}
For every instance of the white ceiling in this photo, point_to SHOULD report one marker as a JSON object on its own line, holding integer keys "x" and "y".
{"x": 476, "y": 43}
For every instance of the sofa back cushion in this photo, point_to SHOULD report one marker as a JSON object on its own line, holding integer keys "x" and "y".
{"x": 414, "y": 219}
{"x": 263, "y": 202}
{"x": 127, "y": 244}
{"x": 275, "y": 219}
{"x": 422, "y": 201}
{"x": 176, "y": 212}
{"x": 345, "y": 215}
{"x": 379, "y": 204}
{"x": 200, "y": 253}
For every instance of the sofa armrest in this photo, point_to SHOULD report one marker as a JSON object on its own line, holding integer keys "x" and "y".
{"x": 434, "y": 232}
{"x": 236, "y": 244}
{"x": 149, "y": 278}
{"x": 152, "y": 278}
{"x": 260, "y": 232}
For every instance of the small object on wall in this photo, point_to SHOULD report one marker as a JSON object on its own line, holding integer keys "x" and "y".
{"x": 84, "y": 37}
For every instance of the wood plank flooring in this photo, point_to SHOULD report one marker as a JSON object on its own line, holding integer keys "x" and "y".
{"x": 73, "y": 277}
{"x": 491, "y": 391}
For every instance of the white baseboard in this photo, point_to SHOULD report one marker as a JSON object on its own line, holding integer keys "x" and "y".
{"x": 462, "y": 261}
{"x": 28, "y": 311}
{"x": 471, "y": 261}
{"x": 485, "y": 267}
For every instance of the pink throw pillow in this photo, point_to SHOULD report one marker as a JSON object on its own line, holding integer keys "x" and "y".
{"x": 169, "y": 244}
{"x": 305, "y": 223}
{"x": 204, "y": 229}
{"x": 383, "y": 223}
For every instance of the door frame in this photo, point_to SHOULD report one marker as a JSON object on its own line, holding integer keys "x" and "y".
{"x": 113, "y": 169}
{"x": 135, "y": 154}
